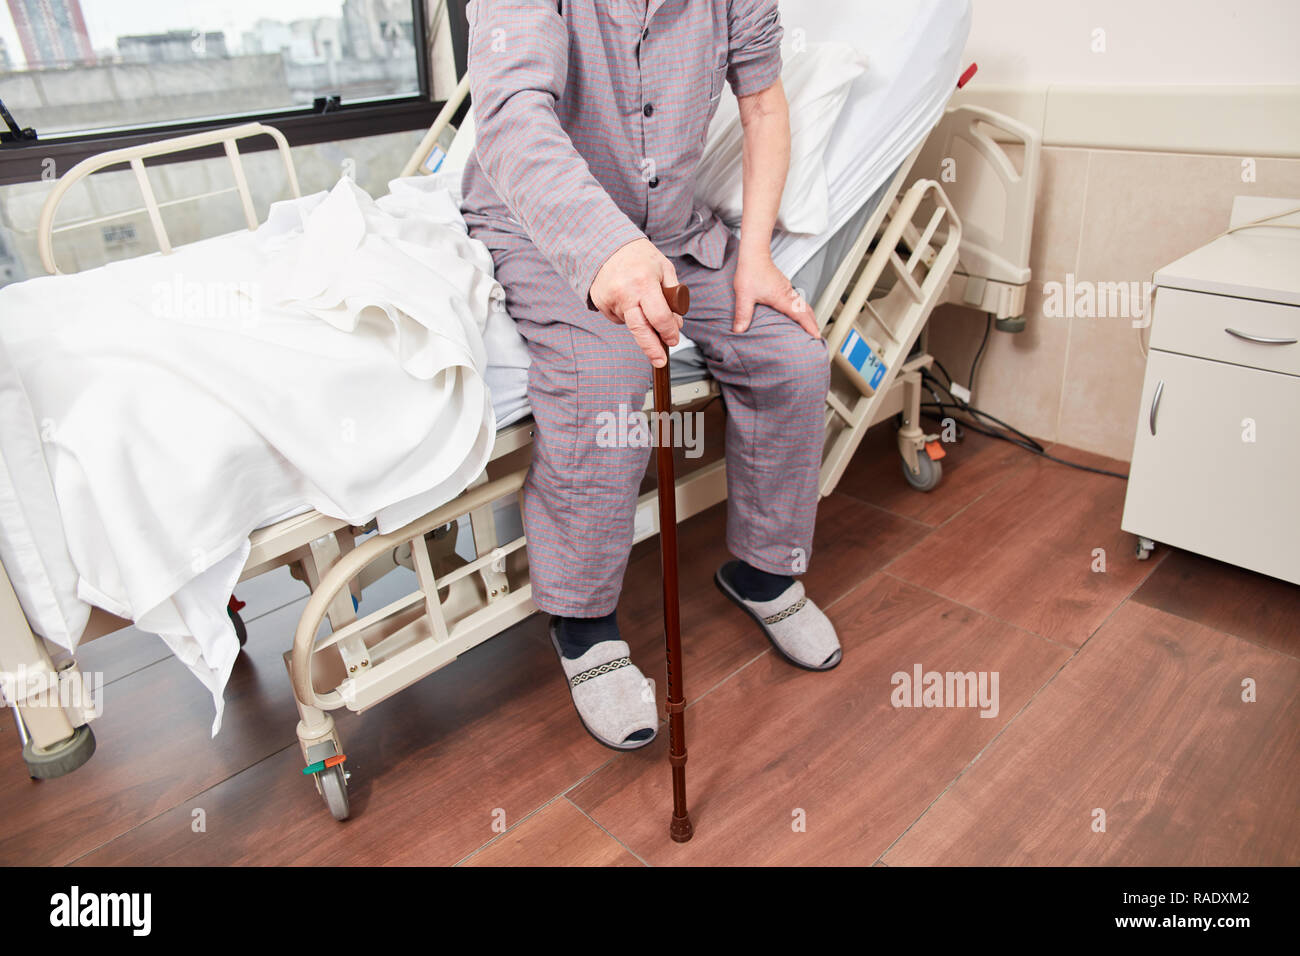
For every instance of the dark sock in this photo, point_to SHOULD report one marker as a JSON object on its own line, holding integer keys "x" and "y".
{"x": 577, "y": 635}
{"x": 755, "y": 585}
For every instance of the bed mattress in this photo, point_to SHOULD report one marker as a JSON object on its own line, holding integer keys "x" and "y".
{"x": 914, "y": 59}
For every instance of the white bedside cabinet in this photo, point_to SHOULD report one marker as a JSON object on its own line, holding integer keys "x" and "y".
{"x": 1216, "y": 461}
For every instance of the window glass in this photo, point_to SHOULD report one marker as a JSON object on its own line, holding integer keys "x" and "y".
{"x": 84, "y": 65}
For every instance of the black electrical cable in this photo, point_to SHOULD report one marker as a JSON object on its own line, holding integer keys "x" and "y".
{"x": 963, "y": 405}
{"x": 1039, "y": 451}
{"x": 1028, "y": 440}
{"x": 974, "y": 365}
{"x": 939, "y": 366}
{"x": 1016, "y": 437}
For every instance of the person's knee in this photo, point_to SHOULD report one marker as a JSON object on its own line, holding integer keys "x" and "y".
{"x": 611, "y": 391}
{"x": 621, "y": 373}
{"x": 802, "y": 370}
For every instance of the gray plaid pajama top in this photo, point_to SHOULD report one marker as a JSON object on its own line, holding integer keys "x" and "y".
{"x": 591, "y": 117}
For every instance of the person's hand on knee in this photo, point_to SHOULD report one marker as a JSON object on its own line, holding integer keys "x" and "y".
{"x": 629, "y": 289}
{"x": 760, "y": 282}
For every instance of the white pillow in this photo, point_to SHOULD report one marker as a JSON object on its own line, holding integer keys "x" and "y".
{"x": 817, "y": 81}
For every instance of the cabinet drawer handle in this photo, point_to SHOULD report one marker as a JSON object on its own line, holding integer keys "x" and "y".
{"x": 1155, "y": 403}
{"x": 1261, "y": 339}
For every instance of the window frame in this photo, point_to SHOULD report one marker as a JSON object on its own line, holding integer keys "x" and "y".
{"x": 26, "y": 161}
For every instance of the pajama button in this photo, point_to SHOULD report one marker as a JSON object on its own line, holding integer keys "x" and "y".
{"x": 649, "y": 110}
{"x": 654, "y": 183}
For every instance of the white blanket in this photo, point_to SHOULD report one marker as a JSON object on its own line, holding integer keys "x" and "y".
{"x": 333, "y": 359}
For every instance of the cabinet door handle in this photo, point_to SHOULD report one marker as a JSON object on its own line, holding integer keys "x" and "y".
{"x": 1155, "y": 403}
{"x": 1261, "y": 339}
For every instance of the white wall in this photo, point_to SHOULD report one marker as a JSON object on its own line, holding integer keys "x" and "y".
{"x": 1198, "y": 42}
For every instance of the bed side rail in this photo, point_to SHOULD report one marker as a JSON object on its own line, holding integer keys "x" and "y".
{"x": 969, "y": 151}
{"x": 997, "y": 237}
{"x": 393, "y": 647}
{"x": 870, "y": 333}
{"x": 415, "y": 164}
{"x": 921, "y": 275}
{"x": 135, "y": 157}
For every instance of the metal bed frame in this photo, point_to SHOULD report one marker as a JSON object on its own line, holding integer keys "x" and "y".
{"x": 908, "y": 258}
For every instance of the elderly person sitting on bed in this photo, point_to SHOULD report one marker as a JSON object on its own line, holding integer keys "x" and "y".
{"x": 591, "y": 118}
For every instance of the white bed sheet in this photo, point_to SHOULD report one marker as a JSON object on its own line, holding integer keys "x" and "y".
{"x": 332, "y": 359}
{"x": 914, "y": 59}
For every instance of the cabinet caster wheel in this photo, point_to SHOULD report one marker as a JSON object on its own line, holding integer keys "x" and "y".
{"x": 63, "y": 758}
{"x": 928, "y": 473}
{"x": 1144, "y": 548}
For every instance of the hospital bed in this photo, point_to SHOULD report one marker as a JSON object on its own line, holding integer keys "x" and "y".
{"x": 898, "y": 247}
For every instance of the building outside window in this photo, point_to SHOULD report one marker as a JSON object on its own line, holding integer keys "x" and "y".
{"x": 348, "y": 81}
{"x": 73, "y": 66}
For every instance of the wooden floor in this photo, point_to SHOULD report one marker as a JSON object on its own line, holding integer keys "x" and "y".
{"x": 1120, "y": 735}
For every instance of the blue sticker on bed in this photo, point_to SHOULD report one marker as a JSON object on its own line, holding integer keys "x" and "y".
{"x": 862, "y": 358}
{"x": 433, "y": 162}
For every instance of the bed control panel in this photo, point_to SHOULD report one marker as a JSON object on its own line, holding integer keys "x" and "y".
{"x": 863, "y": 359}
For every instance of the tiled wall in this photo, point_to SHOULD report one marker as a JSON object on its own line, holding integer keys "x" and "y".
{"x": 1102, "y": 216}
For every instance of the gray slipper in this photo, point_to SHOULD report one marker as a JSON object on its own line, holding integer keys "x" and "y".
{"x": 797, "y": 628}
{"x": 612, "y": 697}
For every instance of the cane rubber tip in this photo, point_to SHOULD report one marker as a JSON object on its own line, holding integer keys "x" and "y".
{"x": 681, "y": 829}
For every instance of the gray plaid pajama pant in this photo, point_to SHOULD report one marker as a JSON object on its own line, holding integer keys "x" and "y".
{"x": 580, "y": 496}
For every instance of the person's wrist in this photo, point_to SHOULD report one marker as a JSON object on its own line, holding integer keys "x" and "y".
{"x": 613, "y": 249}
{"x": 753, "y": 253}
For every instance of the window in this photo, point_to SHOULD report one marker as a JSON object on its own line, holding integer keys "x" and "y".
{"x": 87, "y": 66}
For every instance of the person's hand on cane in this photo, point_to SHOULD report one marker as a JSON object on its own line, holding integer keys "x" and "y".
{"x": 628, "y": 290}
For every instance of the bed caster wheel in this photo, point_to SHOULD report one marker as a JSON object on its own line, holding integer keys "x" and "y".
{"x": 63, "y": 758}
{"x": 1013, "y": 325}
{"x": 334, "y": 788}
{"x": 331, "y": 781}
{"x": 927, "y": 475}
{"x": 1144, "y": 548}
{"x": 241, "y": 631}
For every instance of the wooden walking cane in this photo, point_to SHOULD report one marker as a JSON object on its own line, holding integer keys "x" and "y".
{"x": 680, "y": 829}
